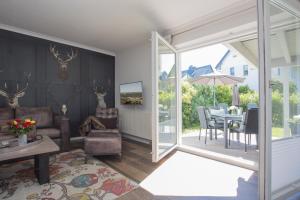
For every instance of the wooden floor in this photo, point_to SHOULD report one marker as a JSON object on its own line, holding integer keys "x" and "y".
{"x": 136, "y": 161}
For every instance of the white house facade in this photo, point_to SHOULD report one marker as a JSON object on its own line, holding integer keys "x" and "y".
{"x": 235, "y": 65}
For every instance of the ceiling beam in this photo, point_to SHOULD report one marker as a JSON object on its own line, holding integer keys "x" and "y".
{"x": 280, "y": 35}
{"x": 241, "y": 49}
{"x": 281, "y": 62}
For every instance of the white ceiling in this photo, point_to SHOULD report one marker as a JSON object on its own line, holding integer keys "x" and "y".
{"x": 105, "y": 24}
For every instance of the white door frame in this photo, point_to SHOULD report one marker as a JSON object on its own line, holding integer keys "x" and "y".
{"x": 265, "y": 110}
{"x": 155, "y": 101}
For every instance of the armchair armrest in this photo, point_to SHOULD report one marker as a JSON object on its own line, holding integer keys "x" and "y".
{"x": 63, "y": 124}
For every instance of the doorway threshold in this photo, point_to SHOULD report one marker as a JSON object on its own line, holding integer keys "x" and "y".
{"x": 237, "y": 161}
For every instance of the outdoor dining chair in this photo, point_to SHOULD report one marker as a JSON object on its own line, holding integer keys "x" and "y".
{"x": 251, "y": 105}
{"x": 206, "y": 122}
{"x": 248, "y": 126}
{"x": 223, "y": 106}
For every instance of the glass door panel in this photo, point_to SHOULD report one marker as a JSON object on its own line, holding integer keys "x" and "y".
{"x": 165, "y": 135}
{"x": 283, "y": 57}
{"x": 285, "y": 77}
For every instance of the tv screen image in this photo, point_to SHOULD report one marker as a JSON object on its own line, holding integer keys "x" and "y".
{"x": 131, "y": 93}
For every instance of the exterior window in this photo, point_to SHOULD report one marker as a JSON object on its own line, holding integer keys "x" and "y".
{"x": 245, "y": 69}
{"x": 232, "y": 73}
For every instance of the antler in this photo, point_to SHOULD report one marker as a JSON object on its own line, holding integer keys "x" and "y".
{"x": 3, "y": 93}
{"x": 55, "y": 53}
{"x": 58, "y": 56}
{"x": 20, "y": 93}
{"x": 101, "y": 88}
{"x": 72, "y": 56}
{"x": 95, "y": 88}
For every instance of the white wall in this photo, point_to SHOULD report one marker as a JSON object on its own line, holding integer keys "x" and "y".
{"x": 134, "y": 64}
{"x": 285, "y": 162}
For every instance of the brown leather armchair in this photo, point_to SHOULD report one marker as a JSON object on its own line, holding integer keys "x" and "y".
{"x": 106, "y": 140}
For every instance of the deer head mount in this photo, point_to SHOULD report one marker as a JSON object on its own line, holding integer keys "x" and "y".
{"x": 12, "y": 98}
{"x": 100, "y": 93}
{"x": 63, "y": 61}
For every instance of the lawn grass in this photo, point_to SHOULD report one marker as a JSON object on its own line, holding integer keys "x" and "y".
{"x": 191, "y": 129}
{"x": 278, "y": 132}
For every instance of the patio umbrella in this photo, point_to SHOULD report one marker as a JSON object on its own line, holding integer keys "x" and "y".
{"x": 217, "y": 79}
{"x": 235, "y": 96}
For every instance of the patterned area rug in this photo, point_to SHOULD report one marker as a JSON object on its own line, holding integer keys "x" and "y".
{"x": 70, "y": 178}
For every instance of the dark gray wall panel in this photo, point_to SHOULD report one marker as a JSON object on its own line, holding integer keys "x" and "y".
{"x": 20, "y": 53}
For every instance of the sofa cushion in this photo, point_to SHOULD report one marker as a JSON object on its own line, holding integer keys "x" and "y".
{"x": 50, "y": 132}
{"x": 6, "y": 136}
{"x": 6, "y": 114}
{"x": 103, "y": 145}
{"x": 42, "y": 115}
{"x": 104, "y": 133}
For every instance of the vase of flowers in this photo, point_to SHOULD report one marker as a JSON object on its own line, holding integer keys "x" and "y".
{"x": 233, "y": 110}
{"x": 21, "y": 128}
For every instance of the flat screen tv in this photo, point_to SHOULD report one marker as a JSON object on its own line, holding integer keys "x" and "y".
{"x": 131, "y": 93}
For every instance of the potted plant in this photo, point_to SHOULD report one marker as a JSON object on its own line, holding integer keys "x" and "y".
{"x": 295, "y": 125}
{"x": 21, "y": 128}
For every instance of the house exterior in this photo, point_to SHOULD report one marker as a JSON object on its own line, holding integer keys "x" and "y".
{"x": 194, "y": 72}
{"x": 235, "y": 65}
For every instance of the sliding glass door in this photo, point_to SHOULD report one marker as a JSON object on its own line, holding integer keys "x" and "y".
{"x": 280, "y": 55}
{"x": 165, "y": 97}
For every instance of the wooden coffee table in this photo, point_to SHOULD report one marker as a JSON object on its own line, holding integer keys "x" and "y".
{"x": 40, "y": 152}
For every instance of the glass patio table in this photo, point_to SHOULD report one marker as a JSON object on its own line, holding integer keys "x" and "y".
{"x": 226, "y": 118}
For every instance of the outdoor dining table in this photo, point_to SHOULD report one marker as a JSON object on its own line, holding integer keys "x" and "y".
{"x": 226, "y": 118}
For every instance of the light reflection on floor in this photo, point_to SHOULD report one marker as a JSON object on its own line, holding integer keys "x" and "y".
{"x": 186, "y": 175}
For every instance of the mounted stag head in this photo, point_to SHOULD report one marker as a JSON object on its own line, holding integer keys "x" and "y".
{"x": 13, "y": 97}
{"x": 63, "y": 61}
{"x": 100, "y": 95}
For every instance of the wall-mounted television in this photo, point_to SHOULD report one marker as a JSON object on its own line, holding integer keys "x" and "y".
{"x": 131, "y": 93}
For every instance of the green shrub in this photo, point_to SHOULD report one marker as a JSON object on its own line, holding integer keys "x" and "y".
{"x": 277, "y": 109}
{"x": 246, "y": 98}
{"x": 224, "y": 94}
{"x": 188, "y": 92}
{"x": 202, "y": 97}
{"x": 278, "y": 86}
{"x": 244, "y": 89}
{"x": 195, "y": 95}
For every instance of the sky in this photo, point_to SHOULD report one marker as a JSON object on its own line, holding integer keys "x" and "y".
{"x": 210, "y": 55}
{"x": 131, "y": 87}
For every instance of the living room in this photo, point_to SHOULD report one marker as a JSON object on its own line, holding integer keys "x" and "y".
{"x": 91, "y": 100}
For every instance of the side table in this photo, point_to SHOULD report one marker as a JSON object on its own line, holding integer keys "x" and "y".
{"x": 65, "y": 134}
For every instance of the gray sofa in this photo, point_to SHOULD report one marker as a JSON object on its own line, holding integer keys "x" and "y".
{"x": 48, "y": 123}
{"x": 6, "y": 114}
